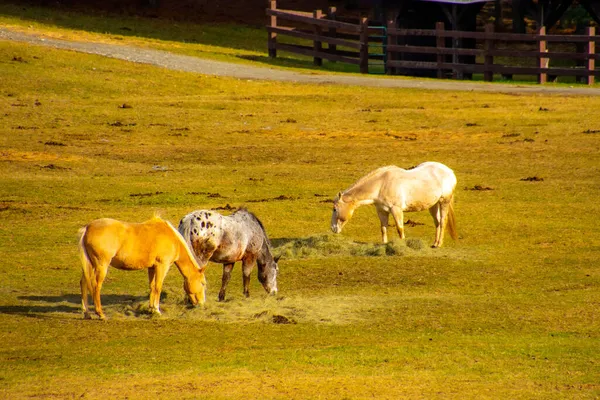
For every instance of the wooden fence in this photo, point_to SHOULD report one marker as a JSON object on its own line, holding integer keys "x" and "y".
{"x": 441, "y": 52}
{"x": 320, "y": 29}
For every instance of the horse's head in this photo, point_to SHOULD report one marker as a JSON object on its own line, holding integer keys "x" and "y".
{"x": 196, "y": 288}
{"x": 267, "y": 274}
{"x": 342, "y": 212}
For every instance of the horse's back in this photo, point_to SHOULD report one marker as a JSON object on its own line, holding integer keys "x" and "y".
{"x": 130, "y": 245}
{"x": 104, "y": 233}
{"x": 418, "y": 188}
{"x": 439, "y": 172}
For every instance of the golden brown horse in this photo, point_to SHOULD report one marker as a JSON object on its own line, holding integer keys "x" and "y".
{"x": 152, "y": 245}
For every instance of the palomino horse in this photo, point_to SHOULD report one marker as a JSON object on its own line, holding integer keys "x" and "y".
{"x": 394, "y": 190}
{"x": 152, "y": 245}
{"x": 228, "y": 239}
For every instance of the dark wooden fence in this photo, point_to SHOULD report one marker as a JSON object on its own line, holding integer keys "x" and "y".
{"x": 328, "y": 36}
{"x": 322, "y": 30}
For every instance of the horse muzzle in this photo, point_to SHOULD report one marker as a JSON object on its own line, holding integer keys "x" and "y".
{"x": 336, "y": 228}
{"x": 196, "y": 299}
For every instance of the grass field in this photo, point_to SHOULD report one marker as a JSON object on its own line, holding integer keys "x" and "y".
{"x": 510, "y": 310}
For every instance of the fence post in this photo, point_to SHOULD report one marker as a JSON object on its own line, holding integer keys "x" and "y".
{"x": 364, "y": 45}
{"x": 391, "y": 41}
{"x": 591, "y": 50}
{"x": 317, "y": 45}
{"x": 440, "y": 43}
{"x": 331, "y": 14}
{"x": 543, "y": 62}
{"x": 272, "y": 35}
{"x": 488, "y": 47}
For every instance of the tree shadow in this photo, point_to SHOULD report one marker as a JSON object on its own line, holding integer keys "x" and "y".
{"x": 228, "y": 34}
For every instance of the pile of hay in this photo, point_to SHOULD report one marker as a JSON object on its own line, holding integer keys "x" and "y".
{"x": 329, "y": 245}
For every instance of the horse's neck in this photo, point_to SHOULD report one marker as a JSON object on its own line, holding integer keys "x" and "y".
{"x": 265, "y": 255}
{"x": 186, "y": 264}
{"x": 362, "y": 194}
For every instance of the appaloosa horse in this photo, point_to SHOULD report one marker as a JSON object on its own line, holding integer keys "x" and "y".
{"x": 394, "y": 190}
{"x": 153, "y": 245}
{"x": 228, "y": 239}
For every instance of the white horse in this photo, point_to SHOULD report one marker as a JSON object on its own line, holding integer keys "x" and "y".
{"x": 394, "y": 190}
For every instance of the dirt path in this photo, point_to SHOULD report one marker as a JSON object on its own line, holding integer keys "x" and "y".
{"x": 209, "y": 67}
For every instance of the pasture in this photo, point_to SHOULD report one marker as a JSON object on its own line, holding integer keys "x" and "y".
{"x": 510, "y": 310}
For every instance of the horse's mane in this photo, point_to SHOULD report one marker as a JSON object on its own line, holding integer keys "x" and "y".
{"x": 255, "y": 218}
{"x": 180, "y": 237}
{"x": 369, "y": 176}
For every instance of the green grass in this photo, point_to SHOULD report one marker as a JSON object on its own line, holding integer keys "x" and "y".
{"x": 510, "y": 310}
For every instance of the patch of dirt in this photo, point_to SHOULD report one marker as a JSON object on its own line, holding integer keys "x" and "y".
{"x": 53, "y": 143}
{"x": 283, "y": 197}
{"x": 145, "y": 194}
{"x": 281, "y": 319}
{"x": 404, "y": 138}
{"x": 533, "y": 179}
{"x": 226, "y": 207}
{"x": 479, "y": 188}
{"x": 412, "y": 223}
{"x": 53, "y": 167}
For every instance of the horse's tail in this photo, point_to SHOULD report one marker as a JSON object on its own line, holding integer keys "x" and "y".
{"x": 451, "y": 222}
{"x": 86, "y": 264}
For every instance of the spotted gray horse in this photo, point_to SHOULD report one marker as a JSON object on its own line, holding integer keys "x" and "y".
{"x": 228, "y": 239}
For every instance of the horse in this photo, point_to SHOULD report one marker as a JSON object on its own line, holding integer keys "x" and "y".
{"x": 228, "y": 239}
{"x": 153, "y": 245}
{"x": 394, "y": 190}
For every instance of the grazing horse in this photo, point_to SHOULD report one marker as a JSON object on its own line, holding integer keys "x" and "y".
{"x": 152, "y": 245}
{"x": 228, "y": 239}
{"x": 394, "y": 190}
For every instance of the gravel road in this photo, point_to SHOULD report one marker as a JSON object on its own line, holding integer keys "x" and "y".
{"x": 209, "y": 67}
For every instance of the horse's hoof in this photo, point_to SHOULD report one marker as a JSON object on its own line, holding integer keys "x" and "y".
{"x": 87, "y": 316}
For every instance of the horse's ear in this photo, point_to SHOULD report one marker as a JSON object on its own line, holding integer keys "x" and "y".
{"x": 338, "y": 197}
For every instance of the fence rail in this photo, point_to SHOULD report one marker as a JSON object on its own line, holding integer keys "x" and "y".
{"x": 328, "y": 36}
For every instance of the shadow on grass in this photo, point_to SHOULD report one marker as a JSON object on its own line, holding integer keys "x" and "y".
{"x": 236, "y": 37}
{"x": 229, "y": 35}
{"x": 56, "y": 304}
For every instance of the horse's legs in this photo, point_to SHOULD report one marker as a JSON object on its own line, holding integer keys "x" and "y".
{"x": 84, "y": 298}
{"x": 155, "y": 279}
{"x": 443, "y": 215}
{"x": 436, "y": 213}
{"x": 398, "y": 215}
{"x": 226, "y": 277}
{"x": 101, "y": 271}
{"x": 247, "y": 266}
{"x": 384, "y": 219}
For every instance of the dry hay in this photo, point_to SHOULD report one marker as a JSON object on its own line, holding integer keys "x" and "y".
{"x": 335, "y": 310}
{"x": 329, "y": 245}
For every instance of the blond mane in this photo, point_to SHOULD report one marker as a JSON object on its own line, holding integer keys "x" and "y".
{"x": 367, "y": 177}
{"x": 181, "y": 240}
